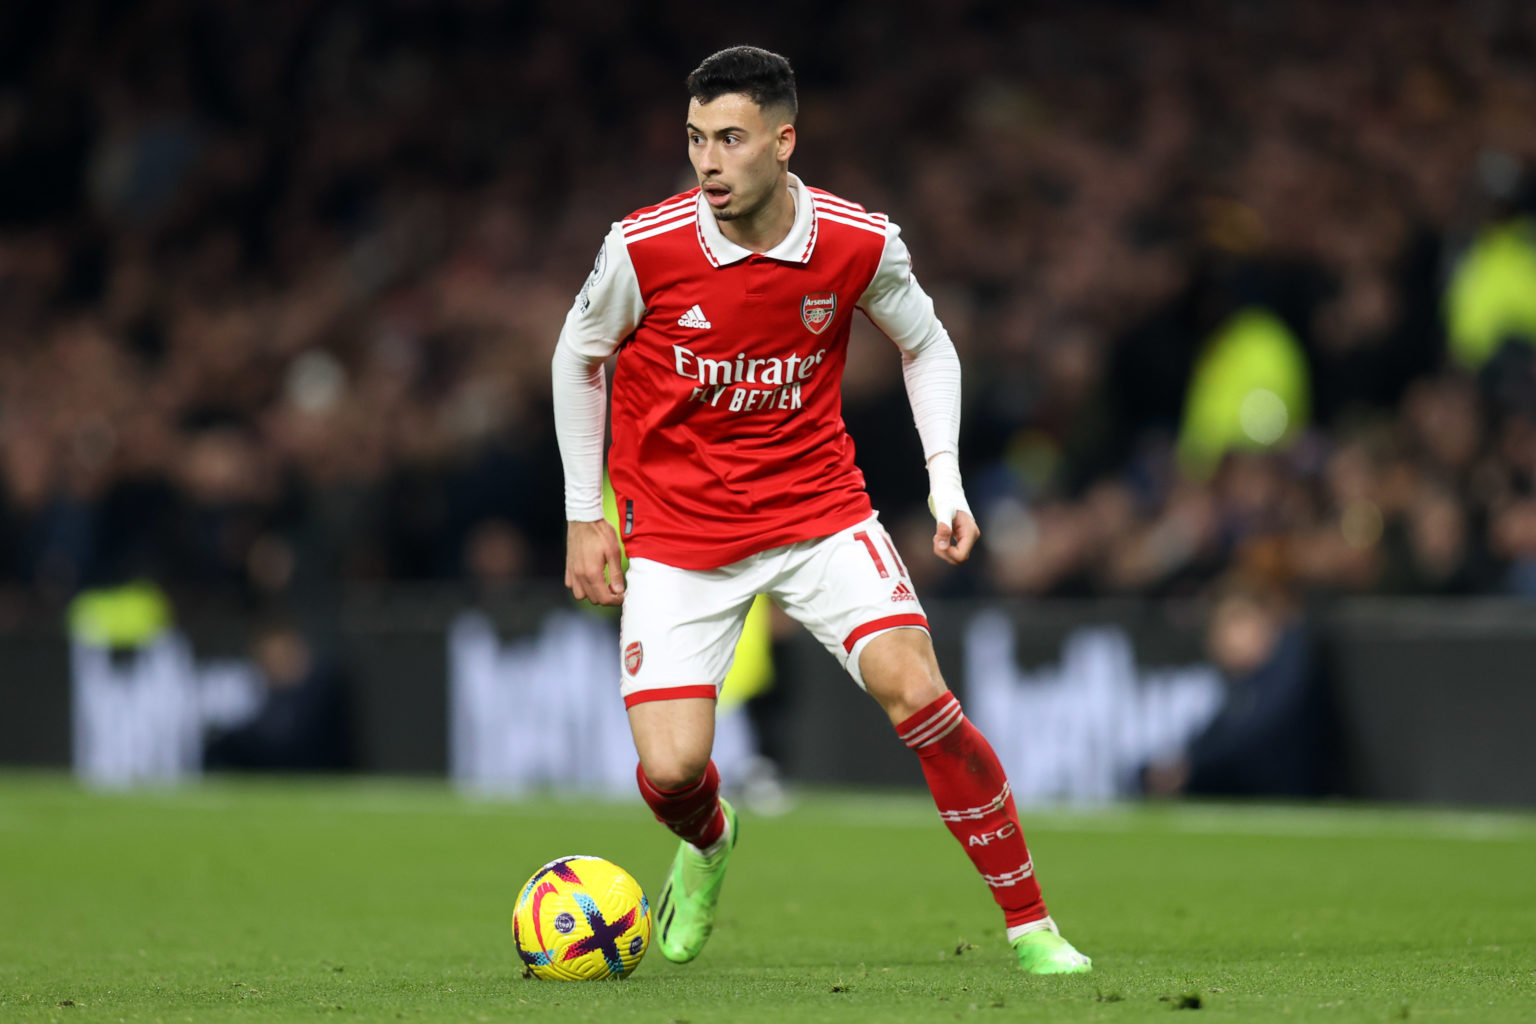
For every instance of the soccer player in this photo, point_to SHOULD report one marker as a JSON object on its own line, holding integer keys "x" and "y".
{"x": 729, "y": 306}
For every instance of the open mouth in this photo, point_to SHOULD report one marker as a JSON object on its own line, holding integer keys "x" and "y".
{"x": 717, "y": 195}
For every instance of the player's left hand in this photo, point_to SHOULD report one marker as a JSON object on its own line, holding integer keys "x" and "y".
{"x": 953, "y": 541}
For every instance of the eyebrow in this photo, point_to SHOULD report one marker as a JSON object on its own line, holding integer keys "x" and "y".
{"x": 719, "y": 131}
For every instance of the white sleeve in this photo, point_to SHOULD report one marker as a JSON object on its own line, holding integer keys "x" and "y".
{"x": 605, "y": 312}
{"x": 897, "y": 304}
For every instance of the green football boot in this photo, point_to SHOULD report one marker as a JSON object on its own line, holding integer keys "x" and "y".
{"x": 685, "y": 913}
{"x": 1045, "y": 952}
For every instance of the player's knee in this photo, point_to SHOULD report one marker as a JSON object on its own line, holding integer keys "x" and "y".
{"x": 673, "y": 738}
{"x": 899, "y": 667}
{"x": 901, "y": 673}
{"x": 675, "y": 771}
{"x": 909, "y": 696}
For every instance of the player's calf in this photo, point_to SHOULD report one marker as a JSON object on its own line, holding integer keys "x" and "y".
{"x": 975, "y": 802}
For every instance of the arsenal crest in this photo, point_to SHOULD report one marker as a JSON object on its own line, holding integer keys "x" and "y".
{"x": 817, "y": 310}
{"x": 633, "y": 655}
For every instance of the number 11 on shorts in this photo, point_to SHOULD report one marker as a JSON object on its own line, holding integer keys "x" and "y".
{"x": 869, "y": 545}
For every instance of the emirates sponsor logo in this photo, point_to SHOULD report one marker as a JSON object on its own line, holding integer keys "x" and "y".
{"x": 903, "y": 593}
{"x": 771, "y": 372}
{"x": 634, "y": 654}
{"x": 817, "y": 310}
{"x": 745, "y": 384}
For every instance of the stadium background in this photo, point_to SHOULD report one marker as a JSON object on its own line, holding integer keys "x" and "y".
{"x": 280, "y": 282}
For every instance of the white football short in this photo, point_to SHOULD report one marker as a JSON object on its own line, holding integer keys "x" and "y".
{"x": 679, "y": 627}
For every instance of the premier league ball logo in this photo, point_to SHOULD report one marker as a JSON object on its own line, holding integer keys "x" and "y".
{"x": 817, "y": 310}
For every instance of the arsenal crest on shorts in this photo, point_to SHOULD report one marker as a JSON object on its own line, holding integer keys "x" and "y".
{"x": 634, "y": 654}
{"x": 817, "y": 310}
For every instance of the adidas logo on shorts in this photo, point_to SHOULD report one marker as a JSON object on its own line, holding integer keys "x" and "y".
{"x": 903, "y": 593}
{"x": 694, "y": 318}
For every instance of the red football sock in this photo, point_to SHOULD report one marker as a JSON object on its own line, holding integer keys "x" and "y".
{"x": 972, "y": 794}
{"x": 693, "y": 812}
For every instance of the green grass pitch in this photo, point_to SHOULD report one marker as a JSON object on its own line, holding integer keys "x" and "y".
{"x": 390, "y": 901}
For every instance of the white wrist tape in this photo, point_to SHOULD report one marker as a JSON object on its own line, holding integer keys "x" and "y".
{"x": 946, "y": 495}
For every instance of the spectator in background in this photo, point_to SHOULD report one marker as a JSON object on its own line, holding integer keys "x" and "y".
{"x": 1435, "y": 547}
{"x": 1490, "y": 300}
{"x": 303, "y": 723}
{"x": 1273, "y": 736}
{"x": 1250, "y": 390}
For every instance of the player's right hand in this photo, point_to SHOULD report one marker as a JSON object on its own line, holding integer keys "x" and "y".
{"x": 594, "y": 569}
{"x": 952, "y": 541}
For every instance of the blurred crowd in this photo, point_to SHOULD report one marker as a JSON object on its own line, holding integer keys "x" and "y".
{"x": 279, "y": 281}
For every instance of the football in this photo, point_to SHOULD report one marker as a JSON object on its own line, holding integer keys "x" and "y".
{"x": 581, "y": 919}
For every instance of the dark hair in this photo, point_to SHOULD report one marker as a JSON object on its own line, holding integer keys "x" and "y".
{"x": 760, "y": 75}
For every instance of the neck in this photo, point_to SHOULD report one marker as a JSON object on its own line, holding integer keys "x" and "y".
{"x": 766, "y": 227}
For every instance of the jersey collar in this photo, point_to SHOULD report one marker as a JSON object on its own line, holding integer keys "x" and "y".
{"x": 796, "y": 247}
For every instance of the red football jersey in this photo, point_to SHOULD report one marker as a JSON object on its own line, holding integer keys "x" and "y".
{"x": 728, "y": 436}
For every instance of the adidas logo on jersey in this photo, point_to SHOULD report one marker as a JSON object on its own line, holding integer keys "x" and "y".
{"x": 903, "y": 593}
{"x": 693, "y": 318}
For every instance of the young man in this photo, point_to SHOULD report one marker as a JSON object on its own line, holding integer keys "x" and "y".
{"x": 729, "y": 306}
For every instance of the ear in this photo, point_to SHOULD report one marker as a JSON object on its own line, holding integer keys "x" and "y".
{"x": 785, "y": 145}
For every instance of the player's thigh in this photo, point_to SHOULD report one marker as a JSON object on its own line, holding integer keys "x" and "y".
{"x": 678, "y": 630}
{"x": 848, "y": 589}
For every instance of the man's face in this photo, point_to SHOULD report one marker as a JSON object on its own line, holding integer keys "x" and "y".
{"x": 740, "y": 152}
